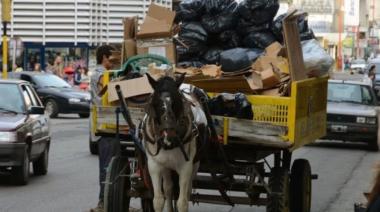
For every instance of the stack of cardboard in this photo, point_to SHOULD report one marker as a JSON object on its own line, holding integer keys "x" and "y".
{"x": 156, "y": 33}
{"x": 129, "y": 44}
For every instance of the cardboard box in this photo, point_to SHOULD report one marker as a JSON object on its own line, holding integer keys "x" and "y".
{"x": 271, "y": 92}
{"x": 130, "y": 88}
{"x": 274, "y": 49}
{"x": 158, "y": 23}
{"x": 161, "y": 47}
{"x": 270, "y": 77}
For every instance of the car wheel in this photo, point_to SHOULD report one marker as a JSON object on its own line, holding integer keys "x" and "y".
{"x": 94, "y": 149}
{"x": 51, "y": 108}
{"x": 21, "y": 173}
{"x": 84, "y": 115}
{"x": 40, "y": 166}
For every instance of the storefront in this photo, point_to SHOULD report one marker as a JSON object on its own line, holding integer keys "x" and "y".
{"x": 44, "y": 54}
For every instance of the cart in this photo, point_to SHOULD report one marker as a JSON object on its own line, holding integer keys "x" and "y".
{"x": 256, "y": 160}
{"x": 252, "y": 166}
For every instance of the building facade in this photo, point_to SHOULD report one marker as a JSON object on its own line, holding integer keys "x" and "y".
{"x": 70, "y": 27}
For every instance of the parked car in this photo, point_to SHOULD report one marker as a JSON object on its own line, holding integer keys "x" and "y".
{"x": 352, "y": 113}
{"x": 358, "y": 65}
{"x": 24, "y": 131}
{"x": 56, "y": 94}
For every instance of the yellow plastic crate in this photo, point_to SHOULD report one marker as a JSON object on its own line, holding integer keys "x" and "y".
{"x": 303, "y": 113}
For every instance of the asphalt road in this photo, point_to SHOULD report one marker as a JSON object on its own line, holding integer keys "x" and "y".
{"x": 71, "y": 185}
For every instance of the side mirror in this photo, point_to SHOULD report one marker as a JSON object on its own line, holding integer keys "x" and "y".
{"x": 35, "y": 110}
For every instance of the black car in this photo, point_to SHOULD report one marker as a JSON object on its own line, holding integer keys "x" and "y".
{"x": 24, "y": 131}
{"x": 56, "y": 94}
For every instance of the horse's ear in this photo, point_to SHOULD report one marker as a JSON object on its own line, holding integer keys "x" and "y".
{"x": 152, "y": 81}
{"x": 180, "y": 80}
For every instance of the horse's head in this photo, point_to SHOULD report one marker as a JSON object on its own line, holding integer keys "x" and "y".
{"x": 166, "y": 106}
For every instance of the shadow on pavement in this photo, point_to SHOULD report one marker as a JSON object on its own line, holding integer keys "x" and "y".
{"x": 341, "y": 145}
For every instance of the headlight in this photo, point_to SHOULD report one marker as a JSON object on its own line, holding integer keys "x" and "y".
{"x": 8, "y": 137}
{"x": 74, "y": 100}
{"x": 360, "y": 120}
{"x": 371, "y": 120}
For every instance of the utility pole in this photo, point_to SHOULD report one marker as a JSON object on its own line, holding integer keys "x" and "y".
{"x": 6, "y": 18}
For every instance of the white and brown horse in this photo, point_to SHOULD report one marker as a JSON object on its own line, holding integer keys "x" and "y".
{"x": 170, "y": 134}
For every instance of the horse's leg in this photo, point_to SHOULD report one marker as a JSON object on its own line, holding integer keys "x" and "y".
{"x": 168, "y": 189}
{"x": 155, "y": 171}
{"x": 185, "y": 178}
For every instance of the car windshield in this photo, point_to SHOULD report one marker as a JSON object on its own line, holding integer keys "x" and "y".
{"x": 50, "y": 80}
{"x": 350, "y": 93}
{"x": 358, "y": 61}
{"x": 11, "y": 99}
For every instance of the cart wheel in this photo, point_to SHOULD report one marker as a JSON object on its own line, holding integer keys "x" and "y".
{"x": 300, "y": 186}
{"x": 279, "y": 184}
{"x": 147, "y": 205}
{"x": 116, "y": 186}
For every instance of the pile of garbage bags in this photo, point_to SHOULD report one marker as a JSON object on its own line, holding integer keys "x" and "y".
{"x": 209, "y": 28}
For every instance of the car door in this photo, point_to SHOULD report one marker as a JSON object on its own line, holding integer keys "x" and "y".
{"x": 34, "y": 125}
{"x": 43, "y": 118}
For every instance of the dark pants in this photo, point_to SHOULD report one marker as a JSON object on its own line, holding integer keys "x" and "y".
{"x": 106, "y": 146}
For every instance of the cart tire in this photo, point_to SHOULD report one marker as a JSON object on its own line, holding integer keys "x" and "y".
{"x": 300, "y": 186}
{"x": 279, "y": 184}
{"x": 147, "y": 205}
{"x": 116, "y": 186}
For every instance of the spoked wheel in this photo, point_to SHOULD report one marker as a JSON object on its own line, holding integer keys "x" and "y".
{"x": 278, "y": 201}
{"x": 300, "y": 186}
{"x": 116, "y": 186}
{"x": 147, "y": 205}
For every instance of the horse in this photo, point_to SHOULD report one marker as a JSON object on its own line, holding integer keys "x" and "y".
{"x": 172, "y": 128}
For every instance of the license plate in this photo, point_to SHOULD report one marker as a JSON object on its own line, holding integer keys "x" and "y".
{"x": 338, "y": 128}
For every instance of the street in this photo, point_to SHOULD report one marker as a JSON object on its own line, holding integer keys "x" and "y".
{"x": 345, "y": 172}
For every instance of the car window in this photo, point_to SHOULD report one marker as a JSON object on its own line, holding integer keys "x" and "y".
{"x": 26, "y": 78}
{"x": 32, "y": 96}
{"x": 11, "y": 98}
{"x": 367, "y": 97}
{"x": 351, "y": 93}
{"x": 50, "y": 80}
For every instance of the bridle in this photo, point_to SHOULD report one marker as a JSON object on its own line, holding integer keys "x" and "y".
{"x": 156, "y": 133}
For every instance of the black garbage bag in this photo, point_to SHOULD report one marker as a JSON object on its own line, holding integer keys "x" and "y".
{"x": 244, "y": 27}
{"x": 190, "y": 10}
{"x": 259, "y": 40}
{"x": 258, "y": 11}
{"x": 231, "y": 105}
{"x": 234, "y": 60}
{"x": 308, "y": 35}
{"x": 193, "y": 31}
{"x": 230, "y": 39}
{"x": 217, "y": 6}
{"x": 191, "y": 63}
{"x": 224, "y": 20}
{"x": 190, "y": 50}
{"x": 212, "y": 56}
{"x": 253, "y": 54}
{"x": 243, "y": 107}
{"x": 302, "y": 25}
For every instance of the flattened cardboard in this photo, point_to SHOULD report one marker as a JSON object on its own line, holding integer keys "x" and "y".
{"x": 293, "y": 46}
{"x": 158, "y": 23}
{"x": 161, "y": 47}
{"x": 211, "y": 70}
{"x": 270, "y": 78}
{"x": 130, "y": 49}
{"x": 274, "y": 49}
{"x": 130, "y": 27}
{"x": 271, "y": 92}
{"x": 130, "y": 88}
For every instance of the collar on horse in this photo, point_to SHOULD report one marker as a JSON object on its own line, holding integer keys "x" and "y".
{"x": 185, "y": 121}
